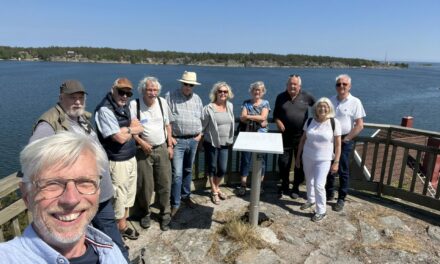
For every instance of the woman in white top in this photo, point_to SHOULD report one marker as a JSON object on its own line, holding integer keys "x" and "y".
{"x": 320, "y": 147}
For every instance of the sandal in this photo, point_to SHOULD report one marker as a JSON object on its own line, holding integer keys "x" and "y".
{"x": 222, "y": 196}
{"x": 214, "y": 198}
{"x": 129, "y": 233}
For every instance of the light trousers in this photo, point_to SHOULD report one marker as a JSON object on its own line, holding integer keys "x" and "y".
{"x": 124, "y": 177}
{"x": 316, "y": 176}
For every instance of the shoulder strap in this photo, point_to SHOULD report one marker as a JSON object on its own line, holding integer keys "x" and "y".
{"x": 332, "y": 121}
{"x": 138, "y": 109}
{"x": 309, "y": 121}
{"x": 163, "y": 117}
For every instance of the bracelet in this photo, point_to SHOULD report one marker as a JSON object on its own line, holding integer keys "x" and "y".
{"x": 336, "y": 161}
{"x": 129, "y": 130}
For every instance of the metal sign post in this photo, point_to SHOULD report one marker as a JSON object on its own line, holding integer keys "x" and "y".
{"x": 257, "y": 143}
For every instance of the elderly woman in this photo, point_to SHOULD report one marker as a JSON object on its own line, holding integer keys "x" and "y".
{"x": 253, "y": 117}
{"x": 320, "y": 147}
{"x": 218, "y": 129}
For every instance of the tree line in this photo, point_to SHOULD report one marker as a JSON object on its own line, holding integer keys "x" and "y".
{"x": 91, "y": 54}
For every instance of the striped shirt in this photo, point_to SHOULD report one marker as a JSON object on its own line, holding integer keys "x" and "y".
{"x": 185, "y": 113}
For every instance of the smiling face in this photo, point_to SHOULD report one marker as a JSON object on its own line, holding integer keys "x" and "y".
{"x": 322, "y": 110}
{"x": 222, "y": 94}
{"x": 121, "y": 95}
{"x": 62, "y": 221}
{"x": 257, "y": 93}
{"x": 293, "y": 86}
{"x": 343, "y": 86}
{"x": 151, "y": 92}
{"x": 73, "y": 104}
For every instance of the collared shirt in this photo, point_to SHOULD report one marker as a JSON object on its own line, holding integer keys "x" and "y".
{"x": 152, "y": 120}
{"x": 347, "y": 111}
{"x": 185, "y": 113}
{"x": 30, "y": 248}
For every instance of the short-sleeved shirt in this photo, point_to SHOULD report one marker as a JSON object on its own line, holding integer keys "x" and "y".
{"x": 106, "y": 122}
{"x": 152, "y": 120}
{"x": 293, "y": 114}
{"x": 256, "y": 110}
{"x": 347, "y": 111}
{"x": 185, "y": 113}
{"x": 320, "y": 139}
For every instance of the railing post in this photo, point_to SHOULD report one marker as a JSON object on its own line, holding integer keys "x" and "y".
{"x": 384, "y": 162}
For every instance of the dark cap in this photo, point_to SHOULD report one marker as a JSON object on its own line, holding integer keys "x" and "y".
{"x": 72, "y": 86}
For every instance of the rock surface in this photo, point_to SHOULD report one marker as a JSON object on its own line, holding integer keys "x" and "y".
{"x": 364, "y": 232}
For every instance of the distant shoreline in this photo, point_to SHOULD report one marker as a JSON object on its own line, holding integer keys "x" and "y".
{"x": 66, "y": 60}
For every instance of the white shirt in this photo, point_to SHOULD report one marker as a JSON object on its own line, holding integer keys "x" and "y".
{"x": 347, "y": 111}
{"x": 320, "y": 138}
{"x": 152, "y": 120}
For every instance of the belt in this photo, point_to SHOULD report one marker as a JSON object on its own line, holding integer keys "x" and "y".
{"x": 187, "y": 136}
{"x": 155, "y": 147}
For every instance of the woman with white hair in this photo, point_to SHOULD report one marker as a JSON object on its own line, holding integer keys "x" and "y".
{"x": 253, "y": 118}
{"x": 218, "y": 128}
{"x": 320, "y": 147}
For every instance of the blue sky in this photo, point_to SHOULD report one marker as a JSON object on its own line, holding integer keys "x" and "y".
{"x": 406, "y": 30}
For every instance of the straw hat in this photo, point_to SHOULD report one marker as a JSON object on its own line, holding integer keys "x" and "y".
{"x": 189, "y": 77}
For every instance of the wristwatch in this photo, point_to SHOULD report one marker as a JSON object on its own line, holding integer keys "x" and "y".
{"x": 129, "y": 130}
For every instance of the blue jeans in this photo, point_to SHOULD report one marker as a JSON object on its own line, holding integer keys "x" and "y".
{"x": 216, "y": 160}
{"x": 343, "y": 172}
{"x": 105, "y": 221}
{"x": 183, "y": 160}
{"x": 246, "y": 160}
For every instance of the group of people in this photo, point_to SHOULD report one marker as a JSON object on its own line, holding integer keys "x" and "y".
{"x": 149, "y": 145}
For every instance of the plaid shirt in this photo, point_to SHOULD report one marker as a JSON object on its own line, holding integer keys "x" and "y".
{"x": 185, "y": 113}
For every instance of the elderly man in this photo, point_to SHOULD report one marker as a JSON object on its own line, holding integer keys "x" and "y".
{"x": 154, "y": 152}
{"x": 186, "y": 112}
{"x": 70, "y": 115}
{"x": 290, "y": 114}
{"x": 350, "y": 113}
{"x": 60, "y": 187}
{"x": 116, "y": 129}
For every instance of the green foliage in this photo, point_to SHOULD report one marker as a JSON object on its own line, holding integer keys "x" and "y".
{"x": 171, "y": 57}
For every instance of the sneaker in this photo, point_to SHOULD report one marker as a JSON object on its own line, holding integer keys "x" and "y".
{"x": 241, "y": 191}
{"x": 145, "y": 222}
{"x": 165, "y": 224}
{"x": 189, "y": 202}
{"x": 129, "y": 233}
{"x": 339, "y": 205}
{"x": 307, "y": 205}
{"x": 174, "y": 211}
{"x": 318, "y": 217}
{"x": 222, "y": 196}
{"x": 294, "y": 195}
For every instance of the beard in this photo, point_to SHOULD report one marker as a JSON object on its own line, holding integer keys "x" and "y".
{"x": 75, "y": 112}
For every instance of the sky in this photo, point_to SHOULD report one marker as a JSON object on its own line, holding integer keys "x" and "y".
{"x": 393, "y": 30}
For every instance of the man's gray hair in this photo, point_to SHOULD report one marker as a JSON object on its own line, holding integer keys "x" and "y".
{"x": 143, "y": 84}
{"x": 61, "y": 149}
{"x": 343, "y": 76}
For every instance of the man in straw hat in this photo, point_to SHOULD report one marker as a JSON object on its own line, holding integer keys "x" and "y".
{"x": 186, "y": 112}
{"x": 69, "y": 115}
{"x": 115, "y": 132}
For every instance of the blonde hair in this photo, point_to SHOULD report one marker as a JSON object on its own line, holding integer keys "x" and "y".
{"x": 325, "y": 100}
{"x": 215, "y": 87}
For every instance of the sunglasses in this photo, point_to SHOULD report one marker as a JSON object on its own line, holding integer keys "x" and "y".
{"x": 222, "y": 91}
{"x": 294, "y": 75}
{"x": 341, "y": 84}
{"x": 187, "y": 84}
{"x": 127, "y": 93}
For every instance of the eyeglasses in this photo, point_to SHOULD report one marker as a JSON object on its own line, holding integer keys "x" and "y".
{"x": 188, "y": 84}
{"x": 341, "y": 84}
{"x": 53, "y": 188}
{"x": 294, "y": 75}
{"x": 222, "y": 91}
{"x": 127, "y": 93}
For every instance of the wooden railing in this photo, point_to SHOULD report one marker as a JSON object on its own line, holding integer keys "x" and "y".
{"x": 386, "y": 164}
{"x": 397, "y": 162}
